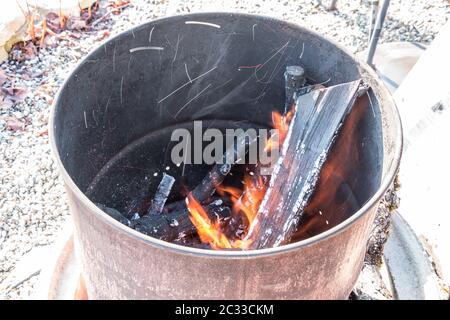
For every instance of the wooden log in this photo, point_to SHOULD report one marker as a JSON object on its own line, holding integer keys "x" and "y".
{"x": 215, "y": 177}
{"x": 294, "y": 79}
{"x": 175, "y": 206}
{"x": 177, "y": 224}
{"x": 161, "y": 195}
{"x": 218, "y": 172}
{"x": 315, "y": 124}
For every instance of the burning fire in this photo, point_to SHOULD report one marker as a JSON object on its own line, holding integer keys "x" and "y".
{"x": 245, "y": 202}
{"x": 281, "y": 123}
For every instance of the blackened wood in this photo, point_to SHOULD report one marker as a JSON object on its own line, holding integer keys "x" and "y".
{"x": 294, "y": 79}
{"x": 318, "y": 117}
{"x": 234, "y": 154}
{"x": 161, "y": 194}
{"x": 177, "y": 224}
{"x": 175, "y": 206}
{"x": 214, "y": 178}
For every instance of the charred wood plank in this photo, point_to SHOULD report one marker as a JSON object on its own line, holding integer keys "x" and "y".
{"x": 177, "y": 224}
{"x": 316, "y": 122}
{"x": 294, "y": 79}
{"x": 234, "y": 154}
{"x": 160, "y": 198}
{"x": 215, "y": 177}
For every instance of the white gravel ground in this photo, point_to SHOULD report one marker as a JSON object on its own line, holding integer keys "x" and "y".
{"x": 33, "y": 204}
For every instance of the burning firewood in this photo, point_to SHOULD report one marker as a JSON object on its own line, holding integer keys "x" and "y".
{"x": 313, "y": 128}
{"x": 215, "y": 177}
{"x": 174, "y": 224}
{"x": 218, "y": 173}
{"x": 245, "y": 202}
{"x": 177, "y": 224}
{"x": 266, "y": 211}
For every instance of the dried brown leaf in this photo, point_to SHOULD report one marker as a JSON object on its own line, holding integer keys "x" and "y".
{"x": 54, "y": 22}
{"x": 23, "y": 51}
{"x": 14, "y": 124}
{"x": 76, "y": 24}
{"x": 117, "y": 5}
{"x": 12, "y": 95}
{"x": 3, "y": 77}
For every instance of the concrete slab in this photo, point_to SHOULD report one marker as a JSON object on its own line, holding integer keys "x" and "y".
{"x": 423, "y": 100}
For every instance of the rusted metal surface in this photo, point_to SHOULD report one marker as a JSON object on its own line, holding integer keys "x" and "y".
{"x": 120, "y": 266}
{"x": 388, "y": 281}
{"x": 120, "y": 263}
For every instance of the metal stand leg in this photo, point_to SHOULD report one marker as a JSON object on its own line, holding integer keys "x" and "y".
{"x": 374, "y": 6}
{"x": 376, "y": 32}
{"x": 332, "y": 5}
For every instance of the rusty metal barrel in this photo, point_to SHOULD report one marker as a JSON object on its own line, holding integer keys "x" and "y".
{"x": 222, "y": 68}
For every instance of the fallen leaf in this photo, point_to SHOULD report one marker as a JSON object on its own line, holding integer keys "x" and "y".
{"x": 3, "y": 77}
{"x": 23, "y": 51}
{"x": 88, "y": 14}
{"x": 76, "y": 24}
{"x": 74, "y": 35}
{"x": 11, "y": 95}
{"x": 14, "y": 124}
{"x": 53, "y": 22}
{"x": 118, "y": 5}
{"x": 14, "y": 94}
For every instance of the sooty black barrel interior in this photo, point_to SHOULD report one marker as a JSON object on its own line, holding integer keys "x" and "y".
{"x": 115, "y": 116}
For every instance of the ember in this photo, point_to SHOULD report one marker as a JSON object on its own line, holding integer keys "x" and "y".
{"x": 246, "y": 202}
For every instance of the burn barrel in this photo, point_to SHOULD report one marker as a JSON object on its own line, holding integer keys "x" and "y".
{"x": 110, "y": 130}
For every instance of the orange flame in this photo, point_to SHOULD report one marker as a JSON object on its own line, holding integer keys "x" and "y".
{"x": 208, "y": 231}
{"x": 245, "y": 202}
{"x": 249, "y": 199}
{"x": 281, "y": 123}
